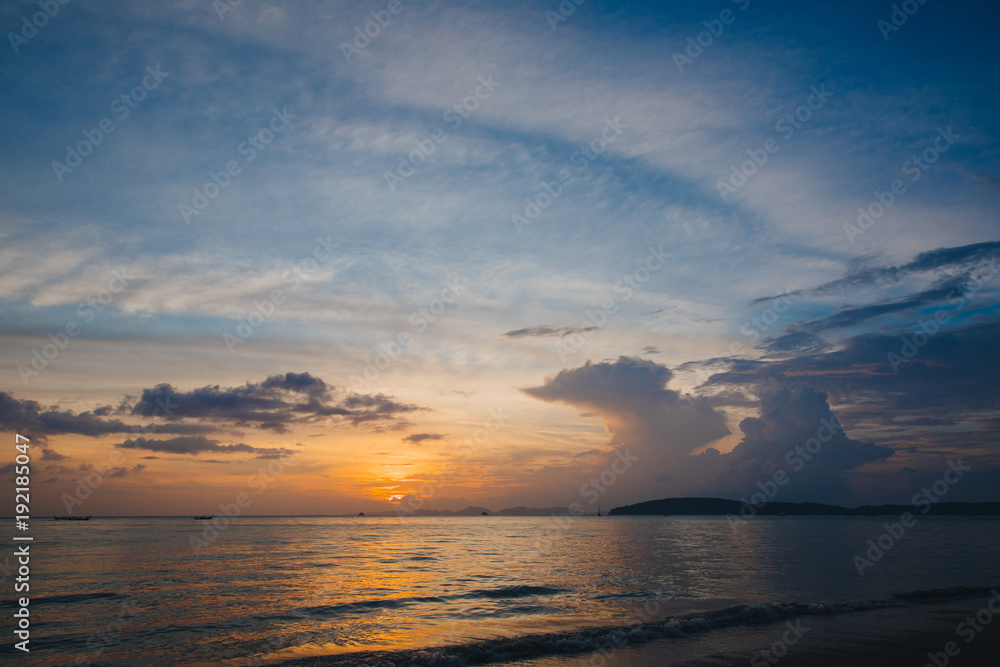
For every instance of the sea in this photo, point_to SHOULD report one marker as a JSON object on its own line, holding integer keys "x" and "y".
{"x": 464, "y": 590}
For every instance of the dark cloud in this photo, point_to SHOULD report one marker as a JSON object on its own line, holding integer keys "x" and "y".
{"x": 797, "y": 433}
{"x": 883, "y": 422}
{"x": 193, "y": 445}
{"x": 29, "y": 417}
{"x": 366, "y": 408}
{"x": 274, "y": 404}
{"x": 122, "y": 472}
{"x": 544, "y": 330}
{"x": 49, "y": 454}
{"x": 111, "y": 472}
{"x": 953, "y": 372}
{"x": 417, "y": 438}
{"x": 864, "y": 274}
{"x": 805, "y": 335}
{"x": 940, "y": 403}
{"x": 649, "y": 349}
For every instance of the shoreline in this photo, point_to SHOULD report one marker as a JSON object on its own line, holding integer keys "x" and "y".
{"x": 895, "y": 635}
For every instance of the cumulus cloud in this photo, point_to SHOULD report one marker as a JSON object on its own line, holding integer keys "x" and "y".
{"x": 631, "y": 395}
{"x": 797, "y": 433}
{"x": 657, "y": 425}
{"x": 663, "y": 429}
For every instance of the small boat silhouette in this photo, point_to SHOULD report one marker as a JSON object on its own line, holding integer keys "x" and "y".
{"x": 205, "y": 517}
{"x": 71, "y": 518}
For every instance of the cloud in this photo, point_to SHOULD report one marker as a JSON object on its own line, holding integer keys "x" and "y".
{"x": 417, "y": 438}
{"x": 663, "y": 429}
{"x": 941, "y": 403}
{"x": 49, "y": 454}
{"x": 26, "y": 416}
{"x": 862, "y": 274}
{"x": 119, "y": 472}
{"x": 274, "y": 404}
{"x": 194, "y": 445}
{"x": 658, "y": 425}
{"x": 544, "y": 330}
{"x": 805, "y": 335}
{"x": 123, "y": 471}
{"x": 798, "y": 433}
{"x": 860, "y": 371}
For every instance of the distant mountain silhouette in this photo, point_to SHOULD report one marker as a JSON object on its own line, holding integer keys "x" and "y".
{"x": 722, "y": 507}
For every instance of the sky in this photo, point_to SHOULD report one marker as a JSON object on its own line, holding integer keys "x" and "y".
{"x": 335, "y": 257}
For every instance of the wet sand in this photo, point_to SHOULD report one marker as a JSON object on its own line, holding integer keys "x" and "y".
{"x": 917, "y": 635}
{"x": 885, "y": 637}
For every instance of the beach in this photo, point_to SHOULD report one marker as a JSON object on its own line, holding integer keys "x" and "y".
{"x": 895, "y": 636}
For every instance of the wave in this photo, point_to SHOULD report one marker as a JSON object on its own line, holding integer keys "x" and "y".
{"x": 583, "y": 640}
{"x": 67, "y": 599}
{"x": 506, "y": 592}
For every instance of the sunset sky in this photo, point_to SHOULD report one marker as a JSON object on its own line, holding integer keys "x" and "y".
{"x": 496, "y": 250}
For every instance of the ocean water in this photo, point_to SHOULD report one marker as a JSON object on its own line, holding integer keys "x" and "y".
{"x": 134, "y": 591}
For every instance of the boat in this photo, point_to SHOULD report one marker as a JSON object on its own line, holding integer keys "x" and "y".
{"x": 71, "y": 518}
{"x": 207, "y": 517}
